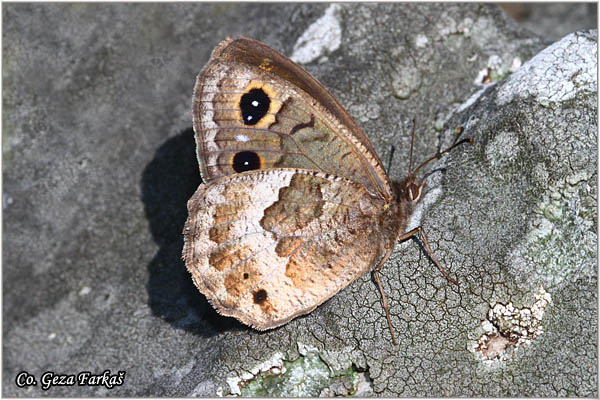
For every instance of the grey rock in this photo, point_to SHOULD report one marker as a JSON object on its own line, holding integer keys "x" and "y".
{"x": 552, "y": 21}
{"x": 99, "y": 162}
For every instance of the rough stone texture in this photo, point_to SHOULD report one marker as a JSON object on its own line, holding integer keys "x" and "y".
{"x": 99, "y": 163}
{"x": 552, "y": 21}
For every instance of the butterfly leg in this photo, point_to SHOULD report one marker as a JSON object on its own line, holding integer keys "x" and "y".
{"x": 419, "y": 231}
{"x": 383, "y": 298}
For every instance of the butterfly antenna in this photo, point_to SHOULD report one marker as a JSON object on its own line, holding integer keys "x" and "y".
{"x": 391, "y": 157}
{"x": 436, "y": 156}
{"x": 412, "y": 141}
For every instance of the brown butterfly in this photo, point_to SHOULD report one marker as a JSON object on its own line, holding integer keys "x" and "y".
{"x": 295, "y": 203}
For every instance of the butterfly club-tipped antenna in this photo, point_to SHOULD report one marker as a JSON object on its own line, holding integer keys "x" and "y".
{"x": 411, "y": 186}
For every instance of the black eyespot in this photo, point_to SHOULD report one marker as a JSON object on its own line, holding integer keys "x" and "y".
{"x": 254, "y": 105}
{"x": 260, "y": 296}
{"x": 246, "y": 161}
{"x": 246, "y": 276}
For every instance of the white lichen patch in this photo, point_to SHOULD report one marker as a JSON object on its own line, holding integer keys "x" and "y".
{"x": 516, "y": 64}
{"x": 304, "y": 349}
{"x": 273, "y": 364}
{"x": 446, "y": 25}
{"x": 557, "y": 74}
{"x": 406, "y": 79}
{"x": 85, "y": 291}
{"x": 508, "y": 326}
{"x": 421, "y": 41}
{"x": 321, "y": 38}
{"x": 465, "y": 27}
{"x": 496, "y": 69}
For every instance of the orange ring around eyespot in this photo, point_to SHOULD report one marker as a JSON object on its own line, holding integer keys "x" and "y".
{"x": 274, "y": 106}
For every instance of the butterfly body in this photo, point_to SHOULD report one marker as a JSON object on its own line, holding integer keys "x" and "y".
{"x": 295, "y": 203}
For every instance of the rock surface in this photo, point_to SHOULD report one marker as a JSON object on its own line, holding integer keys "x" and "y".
{"x": 99, "y": 162}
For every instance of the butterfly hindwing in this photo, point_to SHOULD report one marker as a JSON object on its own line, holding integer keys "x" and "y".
{"x": 267, "y": 246}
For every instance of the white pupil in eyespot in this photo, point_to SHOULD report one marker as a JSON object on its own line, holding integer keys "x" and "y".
{"x": 249, "y": 118}
{"x": 255, "y": 103}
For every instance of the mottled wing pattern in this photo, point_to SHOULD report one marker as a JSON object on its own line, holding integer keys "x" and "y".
{"x": 253, "y": 110}
{"x": 267, "y": 246}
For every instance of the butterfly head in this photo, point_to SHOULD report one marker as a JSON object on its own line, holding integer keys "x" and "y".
{"x": 408, "y": 191}
{"x": 411, "y": 188}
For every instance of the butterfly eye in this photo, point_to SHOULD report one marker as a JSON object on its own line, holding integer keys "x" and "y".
{"x": 246, "y": 161}
{"x": 413, "y": 192}
{"x": 254, "y": 105}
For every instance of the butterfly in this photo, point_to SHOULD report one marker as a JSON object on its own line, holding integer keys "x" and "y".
{"x": 295, "y": 204}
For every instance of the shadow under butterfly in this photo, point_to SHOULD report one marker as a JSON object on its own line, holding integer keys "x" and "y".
{"x": 168, "y": 181}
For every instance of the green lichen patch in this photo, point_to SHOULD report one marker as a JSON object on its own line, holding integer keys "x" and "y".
{"x": 306, "y": 376}
{"x": 562, "y": 240}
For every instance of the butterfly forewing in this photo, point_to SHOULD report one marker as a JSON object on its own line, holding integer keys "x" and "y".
{"x": 253, "y": 110}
